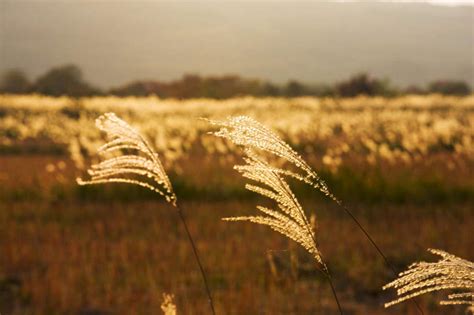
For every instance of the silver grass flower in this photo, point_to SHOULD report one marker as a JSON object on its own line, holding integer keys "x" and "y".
{"x": 450, "y": 272}
{"x": 290, "y": 219}
{"x": 142, "y": 167}
{"x": 249, "y": 133}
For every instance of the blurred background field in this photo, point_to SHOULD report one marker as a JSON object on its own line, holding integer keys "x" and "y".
{"x": 404, "y": 165}
{"x": 375, "y": 95}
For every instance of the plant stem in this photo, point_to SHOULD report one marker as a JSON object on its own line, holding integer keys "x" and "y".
{"x": 328, "y": 277}
{"x": 367, "y": 235}
{"x": 375, "y": 245}
{"x": 203, "y": 274}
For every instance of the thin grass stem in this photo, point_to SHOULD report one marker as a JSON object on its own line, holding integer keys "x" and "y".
{"x": 328, "y": 277}
{"x": 367, "y": 235}
{"x": 196, "y": 255}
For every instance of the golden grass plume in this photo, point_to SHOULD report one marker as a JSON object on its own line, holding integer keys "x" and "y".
{"x": 141, "y": 167}
{"x": 290, "y": 219}
{"x": 450, "y": 272}
{"x": 269, "y": 181}
{"x": 249, "y": 133}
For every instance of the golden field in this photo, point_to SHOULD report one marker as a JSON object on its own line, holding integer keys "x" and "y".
{"x": 403, "y": 165}
{"x": 404, "y": 129}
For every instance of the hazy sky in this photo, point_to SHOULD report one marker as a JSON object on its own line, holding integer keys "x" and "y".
{"x": 440, "y": 2}
{"x": 118, "y": 41}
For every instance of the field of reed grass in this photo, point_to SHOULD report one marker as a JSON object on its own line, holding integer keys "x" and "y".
{"x": 404, "y": 167}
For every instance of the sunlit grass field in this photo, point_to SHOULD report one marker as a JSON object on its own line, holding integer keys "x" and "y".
{"x": 403, "y": 165}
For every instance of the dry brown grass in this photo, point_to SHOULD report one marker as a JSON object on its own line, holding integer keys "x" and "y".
{"x": 119, "y": 257}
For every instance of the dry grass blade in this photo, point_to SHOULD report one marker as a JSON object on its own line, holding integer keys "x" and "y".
{"x": 249, "y": 133}
{"x": 290, "y": 219}
{"x": 142, "y": 167}
{"x": 450, "y": 272}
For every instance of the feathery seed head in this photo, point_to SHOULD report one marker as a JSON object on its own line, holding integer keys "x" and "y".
{"x": 142, "y": 167}
{"x": 290, "y": 219}
{"x": 269, "y": 181}
{"x": 450, "y": 272}
{"x": 250, "y": 134}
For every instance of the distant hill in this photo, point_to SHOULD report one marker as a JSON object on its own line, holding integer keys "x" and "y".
{"x": 115, "y": 42}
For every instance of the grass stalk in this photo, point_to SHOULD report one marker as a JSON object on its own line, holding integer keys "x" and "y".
{"x": 196, "y": 255}
{"x": 371, "y": 240}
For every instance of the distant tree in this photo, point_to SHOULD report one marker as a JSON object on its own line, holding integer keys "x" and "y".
{"x": 194, "y": 86}
{"x": 363, "y": 84}
{"x": 139, "y": 88}
{"x": 294, "y": 88}
{"x": 229, "y": 86}
{"x": 270, "y": 89}
{"x": 15, "y": 82}
{"x": 450, "y": 87}
{"x": 133, "y": 88}
{"x": 414, "y": 89}
{"x": 321, "y": 90}
{"x": 64, "y": 80}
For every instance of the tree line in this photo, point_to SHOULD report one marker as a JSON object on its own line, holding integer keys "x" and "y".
{"x": 68, "y": 80}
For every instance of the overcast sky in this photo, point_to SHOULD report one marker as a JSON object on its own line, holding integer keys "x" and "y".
{"x": 115, "y": 42}
{"x": 440, "y": 2}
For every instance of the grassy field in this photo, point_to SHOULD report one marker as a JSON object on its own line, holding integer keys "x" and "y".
{"x": 116, "y": 249}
